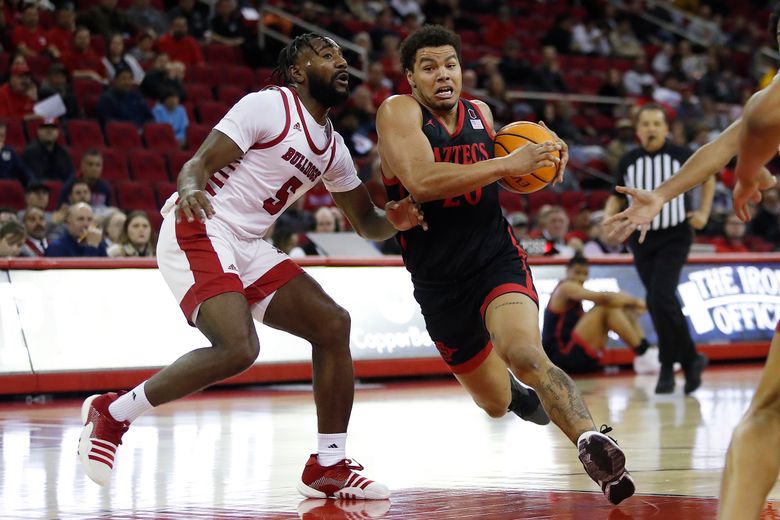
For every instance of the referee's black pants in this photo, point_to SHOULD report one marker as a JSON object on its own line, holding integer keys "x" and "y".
{"x": 659, "y": 262}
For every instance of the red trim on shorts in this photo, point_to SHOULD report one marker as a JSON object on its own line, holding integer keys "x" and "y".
{"x": 506, "y": 288}
{"x": 210, "y": 279}
{"x": 474, "y": 362}
{"x": 329, "y": 126}
{"x": 274, "y": 142}
{"x": 388, "y": 182}
{"x": 576, "y": 339}
{"x": 488, "y": 128}
{"x": 275, "y": 278}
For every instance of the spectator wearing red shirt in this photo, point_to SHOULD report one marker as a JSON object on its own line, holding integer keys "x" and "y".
{"x": 18, "y": 96}
{"x": 83, "y": 62}
{"x": 377, "y": 84}
{"x": 179, "y": 45}
{"x": 28, "y": 37}
{"x": 61, "y": 35}
{"x": 733, "y": 239}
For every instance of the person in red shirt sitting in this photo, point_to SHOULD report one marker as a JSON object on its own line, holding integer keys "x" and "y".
{"x": 83, "y": 62}
{"x": 733, "y": 239}
{"x": 62, "y": 33}
{"x": 18, "y": 96}
{"x": 377, "y": 84}
{"x": 179, "y": 45}
{"x": 28, "y": 37}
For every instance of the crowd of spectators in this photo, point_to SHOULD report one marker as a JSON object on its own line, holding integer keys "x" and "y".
{"x": 138, "y": 62}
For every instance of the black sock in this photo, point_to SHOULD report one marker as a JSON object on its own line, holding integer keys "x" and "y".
{"x": 642, "y": 347}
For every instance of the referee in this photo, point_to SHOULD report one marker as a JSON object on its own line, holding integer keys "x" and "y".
{"x": 661, "y": 257}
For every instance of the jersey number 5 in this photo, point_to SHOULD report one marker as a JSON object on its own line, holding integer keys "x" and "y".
{"x": 274, "y": 205}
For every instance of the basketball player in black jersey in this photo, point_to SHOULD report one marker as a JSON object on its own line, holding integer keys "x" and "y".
{"x": 470, "y": 276}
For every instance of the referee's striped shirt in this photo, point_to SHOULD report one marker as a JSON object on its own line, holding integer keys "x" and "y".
{"x": 641, "y": 169}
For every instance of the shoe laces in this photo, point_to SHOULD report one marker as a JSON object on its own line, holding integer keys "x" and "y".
{"x": 352, "y": 464}
{"x": 604, "y": 430}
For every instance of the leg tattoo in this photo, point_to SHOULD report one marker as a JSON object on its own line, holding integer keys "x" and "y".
{"x": 564, "y": 404}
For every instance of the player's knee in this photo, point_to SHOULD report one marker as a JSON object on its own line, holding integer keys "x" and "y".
{"x": 241, "y": 351}
{"x": 527, "y": 361}
{"x": 495, "y": 408}
{"x": 333, "y": 330}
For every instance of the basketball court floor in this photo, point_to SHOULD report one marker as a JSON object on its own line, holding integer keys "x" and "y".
{"x": 237, "y": 454}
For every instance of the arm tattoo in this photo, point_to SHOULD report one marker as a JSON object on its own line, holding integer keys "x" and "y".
{"x": 508, "y": 303}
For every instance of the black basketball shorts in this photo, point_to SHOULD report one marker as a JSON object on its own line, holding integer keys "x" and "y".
{"x": 455, "y": 312}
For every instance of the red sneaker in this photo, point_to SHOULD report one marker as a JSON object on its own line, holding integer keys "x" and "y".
{"x": 339, "y": 481}
{"x": 101, "y": 436}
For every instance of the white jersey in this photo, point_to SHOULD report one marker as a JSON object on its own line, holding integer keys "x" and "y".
{"x": 286, "y": 152}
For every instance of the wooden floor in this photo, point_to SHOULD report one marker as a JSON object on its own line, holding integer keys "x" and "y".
{"x": 237, "y": 454}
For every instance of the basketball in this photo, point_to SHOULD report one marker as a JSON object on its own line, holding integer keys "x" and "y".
{"x": 518, "y": 134}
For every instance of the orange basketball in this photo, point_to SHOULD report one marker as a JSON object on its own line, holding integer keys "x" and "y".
{"x": 513, "y": 136}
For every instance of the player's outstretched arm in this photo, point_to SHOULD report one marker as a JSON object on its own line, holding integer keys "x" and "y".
{"x": 373, "y": 223}
{"x": 407, "y": 155}
{"x": 216, "y": 152}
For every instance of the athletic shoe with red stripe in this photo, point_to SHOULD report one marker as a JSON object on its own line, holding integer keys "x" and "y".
{"x": 101, "y": 436}
{"x": 342, "y": 509}
{"x": 339, "y": 481}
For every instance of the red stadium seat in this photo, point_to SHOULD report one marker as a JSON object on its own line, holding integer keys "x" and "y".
{"x": 239, "y": 76}
{"x": 14, "y": 134}
{"x": 11, "y": 194}
{"x": 148, "y": 166}
{"x": 115, "y": 165}
{"x": 218, "y": 53}
{"x": 230, "y": 95}
{"x": 176, "y": 159}
{"x": 82, "y": 88}
{"x": 509, "y": 201}
{"x": 263, "y": 77}
{"x": 164, "y": 190}
{"x": 32, "y": 125}
{"x": 85, "y": 133}
{"x": 210, "y": 74}
{"x": 123, "y": 135}
{"x": 198, "y": 92}
{"x": 541, "y": 198}
{"x": 160, "y": 136}
{"x": 196, "y": 134}
{"x": 210, "y": 112}
{"x": 572, "y": 200}
{"x": 136, "y": 195}
{"x": 597, "y": 199}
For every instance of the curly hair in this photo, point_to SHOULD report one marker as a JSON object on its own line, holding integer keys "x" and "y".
{"x": 427, "y": 36}
{"x": 290, "y": 53}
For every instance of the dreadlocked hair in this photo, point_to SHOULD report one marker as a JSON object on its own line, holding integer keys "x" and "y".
{"x": 289, "y": 55}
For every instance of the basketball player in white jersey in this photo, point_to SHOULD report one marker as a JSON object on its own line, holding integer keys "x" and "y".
{"x": 267, "y": 151}
{"x": 753, "y": 458}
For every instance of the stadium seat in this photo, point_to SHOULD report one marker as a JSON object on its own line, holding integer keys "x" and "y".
{"x": 115, "y": 165}
{"x": 11, "y": 194}
{"x": 230, "y": 95}
{"x": 541, "y": 198}
{"x": 198, "y": 92}
{"x": 239, "y": 76}
{"x": 597, "y": 199}
{"x": 164, "y": 190}
{"x": 572, "y": 200}
{"x": 218, "y": 53}
{"x": 31, "y": 127}
{"x": 176, "y": 159}
{"x": 85, "y": 133}
{"x": 263, "y": 78}
{"x": 136, "y": 195}
{"x": 55, "y": 187}
{"x": 160, "y": 136}
{"x": 509, "y": 201}
{"x": 148, "y": 166}
{"x": 14, "y": 134}
{"x": 210, "y": 112}
{"x": 210, "y": 74}
{"x": 123, "y": 135}
{"x": 196, "y": 134}
{"x": 82, "y": 88}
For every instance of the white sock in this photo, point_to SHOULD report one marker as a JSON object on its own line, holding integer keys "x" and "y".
{"x": 131, "y": 405}
{"x": 331, "y": 448}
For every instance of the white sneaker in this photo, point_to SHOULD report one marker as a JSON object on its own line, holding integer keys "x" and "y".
{"x": 648, "y": 362}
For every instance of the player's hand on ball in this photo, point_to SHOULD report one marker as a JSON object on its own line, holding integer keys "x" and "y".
{"x": 564, "y": 154}
{"x": 193, "y": 204}
{"x": 405, "y": 214}
{"x": 531, "y": 157}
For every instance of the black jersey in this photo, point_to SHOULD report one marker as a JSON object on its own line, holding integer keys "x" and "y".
{"x": 465, "y": 232}
{"x": 558, "y": 326}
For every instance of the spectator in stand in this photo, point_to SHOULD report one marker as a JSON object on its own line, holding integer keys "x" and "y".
{"x": 197, "y": 15}
{"x": 36, "y": 195}
{"x": 163, "y": 77}
{"x": 325, "y": 220}
{"x": 286, "y": 240}
{"x": 137, "y": 238}
{"x": 360, "y": 10}
{"x": 56, "y": 82}
{"x": 83, "y": 238}
{"x": 122, "y": 102}
{"x": 515, "y": 70}
{"x": 599, "y": 243}
{"x": 404, "y": 8}
{"x": 7, "y": 215}
{"x": 496, "y": 97}
{"x": 637, "y": 76}
{"x": 766, "y": 220}
{"x": 113, "y": 224}
{"x": 711, "y": 116}
{"x": 144, "y": 16}
{"x": 521, "y": 226}
{"x": 35, "y": 243}
{"x": 12, "y": 236}
{"x": 116, "y": 58}
{"x": 624, "y": 42}
{"x": 554, "y": 228}
{"x": 588, "y": 38}
{"x": 168, "y": 110}
{"x": 547, "y": 78}
{"x": 143, "y": 51}
{"x": 470, "y": 84}
{"x": 83, "y": 62}
{"x": 227, "y": 28}
{"x": 662, "y": 61}
{"x": 501, "y": 28}
{"x": 391, "y": 62}
{"x": 11, "y": 165}
{"x": 560, "y": 34}
{"x": 105, "y": 19}
{"x": 693, "y": 65}
{"x": 379, "y": 87}
{"x": 18, "y": 96}
{"x": 179, "y": 45}
{"x": 46, "y": 158}
{"x": 384, "y": 26}
{"x": 61, "y": 34}
{"x": 624, "y": 141}
{"x": 357, "y": 140}
{"x": 90, "y": 171}
{"x": 28, "y": 38}
{"x": 296, "y": 217}
{"x": 733, "y": 238}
